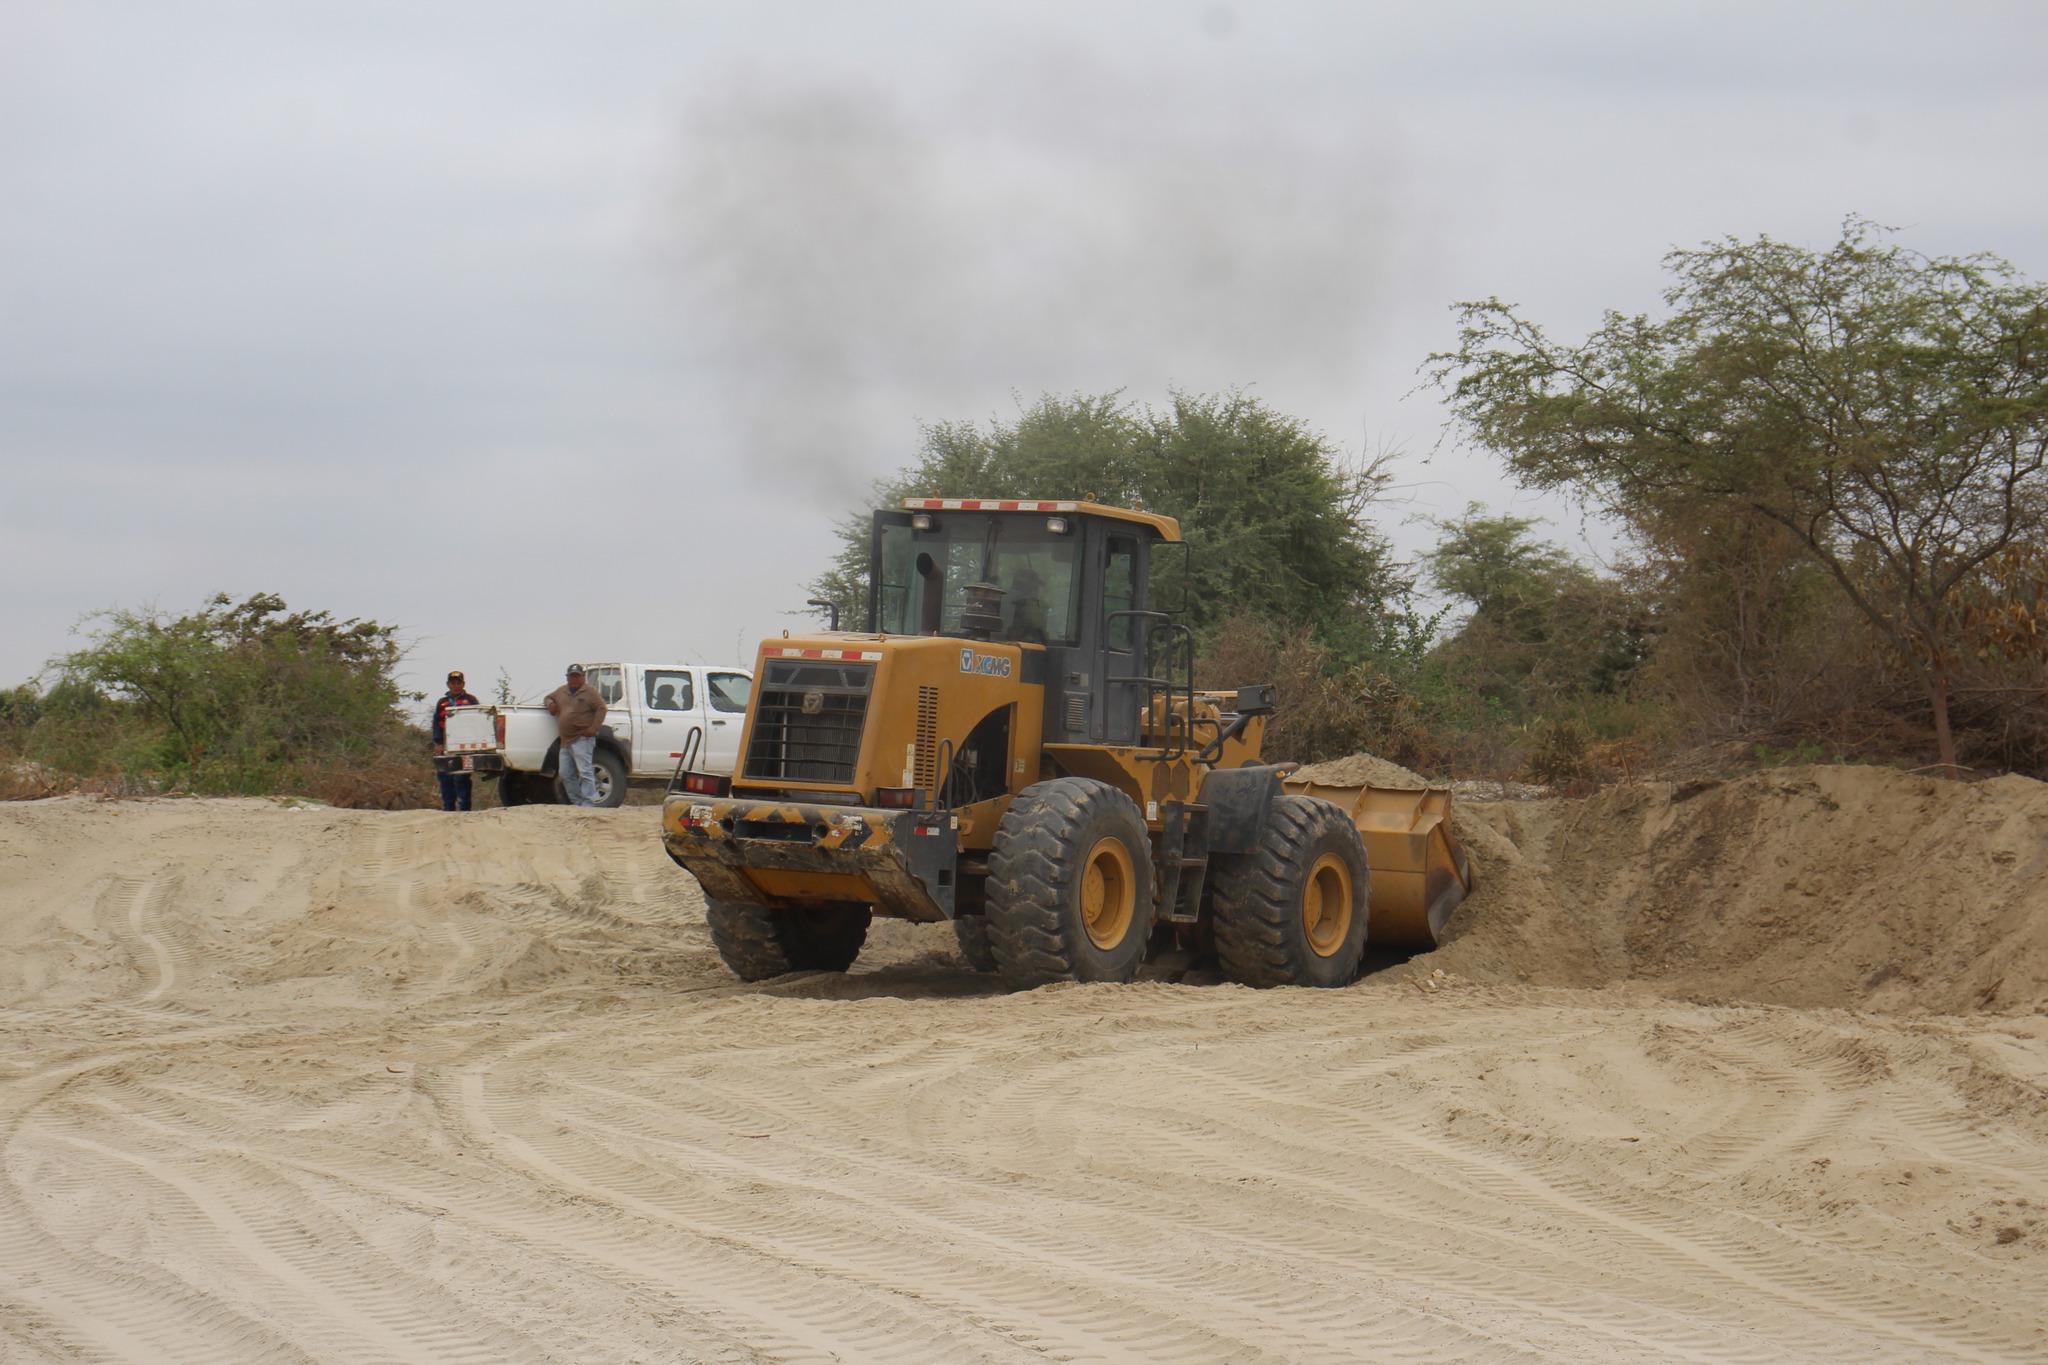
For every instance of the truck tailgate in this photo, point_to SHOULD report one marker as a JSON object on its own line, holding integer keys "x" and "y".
{"x": 472, "y": 729}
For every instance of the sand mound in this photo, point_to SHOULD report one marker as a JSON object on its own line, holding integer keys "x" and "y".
{"x": 332, "y": 907}
{"x": 301, "y": 1084}
{"x": 1842, "y": 886}
{"x": 1361, "y": 770}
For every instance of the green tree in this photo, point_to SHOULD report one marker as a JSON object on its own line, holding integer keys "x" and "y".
{"x": 1276, "y": 521}
{"x": 1888, "y": 409}
{"x": 1496, "y": 565}
{"x": 236, "y": 695}
{"x": 20, "y": 708}
{"x": 1543, "y": 629}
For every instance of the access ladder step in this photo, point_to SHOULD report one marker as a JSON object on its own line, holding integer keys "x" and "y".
{"x": 1183, "y": 861}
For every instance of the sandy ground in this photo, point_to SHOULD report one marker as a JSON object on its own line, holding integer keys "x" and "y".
{"x": 297, "y": 1084}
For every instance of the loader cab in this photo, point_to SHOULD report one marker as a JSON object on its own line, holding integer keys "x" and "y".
{"x": 1072, "y": 579}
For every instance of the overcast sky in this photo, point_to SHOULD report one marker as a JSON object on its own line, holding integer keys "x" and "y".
{"x": 553, "y": 331}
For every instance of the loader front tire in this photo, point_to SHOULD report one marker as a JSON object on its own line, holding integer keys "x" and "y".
{"x": 1293, "y": 911}
{"x": 971, "y": 933}
{"x": 1070, "y": 885}
{"x": 759, "y": 943}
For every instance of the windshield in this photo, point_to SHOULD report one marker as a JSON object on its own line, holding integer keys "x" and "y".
{"x": 729, "y": 692}
{"x": 1035, "y": 568}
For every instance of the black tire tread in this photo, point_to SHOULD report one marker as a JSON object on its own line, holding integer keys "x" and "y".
{"x": 1031, "y": 874}
{"x": 759, "y": 943}
{"x": 971, "y": 933}
{"x": 1257, "y": 896}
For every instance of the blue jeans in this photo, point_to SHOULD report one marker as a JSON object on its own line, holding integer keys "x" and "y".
{"x": 578, "y": 766}
{"x": 455, "y": 790}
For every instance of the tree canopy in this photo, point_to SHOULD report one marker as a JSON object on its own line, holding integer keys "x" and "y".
{"x": 1275, "y": 518}
{"x": 1544, "y": 628}
{"x": 232, "y": 697}
{"x": 1888, "y": 410}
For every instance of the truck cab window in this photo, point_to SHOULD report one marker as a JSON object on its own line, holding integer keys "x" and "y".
{"x": 670, "y": 691}
{"x": 729, "y": 692}
{"x": 610, "y": 684}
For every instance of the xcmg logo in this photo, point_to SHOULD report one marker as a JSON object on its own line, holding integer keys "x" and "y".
{"x": 995, "y": 665}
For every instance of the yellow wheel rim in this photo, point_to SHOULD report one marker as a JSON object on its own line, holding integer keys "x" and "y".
{"x": 1109, "y": 893}
{"x": 1326, "y": 905}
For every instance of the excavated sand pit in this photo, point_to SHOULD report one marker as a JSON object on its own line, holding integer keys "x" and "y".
{"x": 1753, "y": 1072}
{"x": 1859, "y": 888}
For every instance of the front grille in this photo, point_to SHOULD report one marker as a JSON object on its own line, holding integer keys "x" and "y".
{"x": 925, "y": 771}
{"x": 807, "y": 721}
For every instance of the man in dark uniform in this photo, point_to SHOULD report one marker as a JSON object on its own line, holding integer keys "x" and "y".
{"x": 455, "y": 787}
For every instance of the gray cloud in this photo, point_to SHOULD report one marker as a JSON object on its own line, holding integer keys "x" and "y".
{"x": 856, "y": 253}
{"x": 473, "y": 317}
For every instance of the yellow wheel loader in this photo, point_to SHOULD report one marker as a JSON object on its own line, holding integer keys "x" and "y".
{"x": 1016, "y": 745}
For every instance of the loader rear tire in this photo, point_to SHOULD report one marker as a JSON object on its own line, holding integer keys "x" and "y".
{"x": 971, "y": 933}
{"x": 1070, "y": 885}
{"x": 1293, "y": 911}
{"x": 759, "y": 943}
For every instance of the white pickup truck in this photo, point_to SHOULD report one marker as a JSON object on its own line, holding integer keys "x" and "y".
{"x": 654, "y": 712}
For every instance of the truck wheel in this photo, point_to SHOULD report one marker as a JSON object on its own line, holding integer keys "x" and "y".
{"x": 1069, "y": 885}
{"x": 971, "y": 933}
{"x": 512, "y": 790}
{"x": 608, "y": 774}
{"x": 759, "y": 943}
{"x": 1292, "y": 912}
{"x": 611, "y": 778}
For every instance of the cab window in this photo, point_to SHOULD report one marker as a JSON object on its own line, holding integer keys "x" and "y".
{"x": 729, "y": 692}
{"x": 1119, "y": 590}
{"x": 670, "y": 690}
{"x": 1037, "y": 569}
{"x": 610, "y": 684}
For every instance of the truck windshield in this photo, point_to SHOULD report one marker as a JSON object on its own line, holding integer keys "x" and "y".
{"x": 1034, "y": 567}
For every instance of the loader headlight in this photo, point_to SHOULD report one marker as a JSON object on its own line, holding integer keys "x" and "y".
{"x": 1059, "y": 526}
{"x": 921, "y": 521}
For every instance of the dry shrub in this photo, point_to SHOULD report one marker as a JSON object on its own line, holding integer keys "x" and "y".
{"x": 1618, "y": 760}
{"x": 383, "y": 784}
{"x": 1560, "y": 756}
{"x": 1326, "y": 711}
{"x": 28, "y": 781}
{"x": 31, "y": 781}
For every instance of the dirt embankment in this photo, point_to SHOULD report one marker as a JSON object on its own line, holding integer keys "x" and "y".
{"x": 1826, "y": 886}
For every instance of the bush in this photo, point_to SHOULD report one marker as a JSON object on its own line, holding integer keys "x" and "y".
{"x": 241, "y": 698}
{"x": 1327, "y": 709}
{"x": 1560, "y": 756}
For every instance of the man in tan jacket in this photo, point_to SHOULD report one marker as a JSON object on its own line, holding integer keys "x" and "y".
{"x": 578, "y": 710}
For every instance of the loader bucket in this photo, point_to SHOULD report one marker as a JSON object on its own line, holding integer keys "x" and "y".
{"x": 1418, "y": 872}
